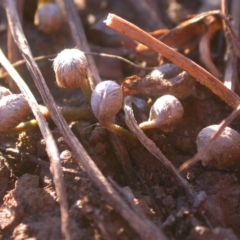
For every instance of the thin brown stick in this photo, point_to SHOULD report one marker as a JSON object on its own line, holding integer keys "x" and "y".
{"x": 13, "y": 53}
{"x": 128, "y": 196}
{"x": 152, "y": 148}
{"x": 204, "y": 49}
{"x": 189, "y": 163}
{"x": 194, "y": 69}
{"x": 143, "y": 226}
{"x": 234, "y": 35}
{"x": 234, "y": 11}
{"x": 51, "y": 146}
{"x": 80, "y": 40}
{"x": 230, "y": 75}
{"x": 40, "y": 58}
{"x": 122, "y": 154}
{"x": 224, "y": 7}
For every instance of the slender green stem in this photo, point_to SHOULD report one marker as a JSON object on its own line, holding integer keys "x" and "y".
{"x": 24, "y": 126}
{"x": 147, "y": 125}
{"x": 122, "y": 132}
{"x": 69, "y": 113}
{"x": 86, "y": 89}
{"x": 76, "y": 113}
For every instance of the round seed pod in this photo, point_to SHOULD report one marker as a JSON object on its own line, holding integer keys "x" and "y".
{"x": 225, "y": 152}
{"x": 4, "y": 92}
{"x": 70, "y": 68}
{"x": 13, "y": 109}
{"x": 166, "y": 71}
{"x": 49, "y": 18}
{"x": 164, "y": 114}
{"x": 106, "y": 100}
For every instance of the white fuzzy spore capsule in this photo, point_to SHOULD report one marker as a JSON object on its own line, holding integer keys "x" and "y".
{"x": 70, "y": 68}
{"x": 49, "y": 18}
{"x": 106, "y": 100}
{"x": 225, "y": 152}
{"x": 164, "y": 114}
{"x": 13, "y": 109}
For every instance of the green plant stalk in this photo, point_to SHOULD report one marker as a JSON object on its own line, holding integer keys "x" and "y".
{"x": 147, "y": 125}
{"x": 120, "y": 131}
{"x": 69, "y": 113}
{"x": 86, "y": 89}
{"x": 75, "y": 113}
{"x": 24, "y": 126}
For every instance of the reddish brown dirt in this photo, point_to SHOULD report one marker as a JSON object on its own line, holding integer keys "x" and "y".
{"x": 29, "y": 207}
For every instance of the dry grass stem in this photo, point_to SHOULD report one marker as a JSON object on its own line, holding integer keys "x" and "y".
{"x": 152, "y": 148}
{"x": 143, "y": 226}
{"x": 122, "y": 154}
{"x": 235, "y": 8}
{"x": 81, "y": 40}
{"x": 13, "y": 53}
{"x": 4, "y": 74}
{"x": 204, "y": 49}
{"x": 128, "y": 195}
{"x": 185, "y": 36}
{"x": 50, "y": 143}
{"x": 203, "y": 76}
{"x": 230, "y": 75}
{"x": 189, "y": 163}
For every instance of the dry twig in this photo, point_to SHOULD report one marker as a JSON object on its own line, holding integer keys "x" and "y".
{"x": 189, "y": 163}
{"x": 152, "y": 148}
{"x": 127, "y": 194}
{"x": 122, "y": 154}
{"x": 50, "y": 143}
{"x": 203, "y": 76}
{"x": 40, "y": 58}
{"x": 13, "y": 53}
{"x": 144, "y": 227}
{"x": 115, "y": 200}
{"x": 204, "y": 47}
{"x": 230, "y": 76}
{"x": 234, "y": 10}
{"x": 80, "y": 40}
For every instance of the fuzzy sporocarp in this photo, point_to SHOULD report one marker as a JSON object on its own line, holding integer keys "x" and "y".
{"x": 13, "y": 109}
{"x": 165, "y": 113}
{"x": 225, "y": 152}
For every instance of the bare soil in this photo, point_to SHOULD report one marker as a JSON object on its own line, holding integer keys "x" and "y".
{"x": 29, "y": 206}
